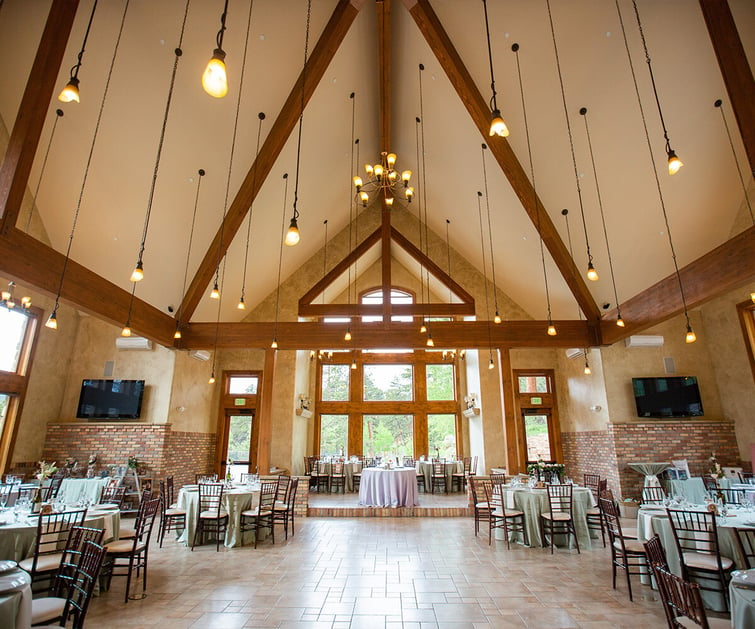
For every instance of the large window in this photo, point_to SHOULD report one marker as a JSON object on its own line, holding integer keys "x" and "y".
{"x": 397, "y": 297}
{"x": 387, "y": 382}
{"x": 441, "y": 435}
{"x": 335, "y": 383}
{"x": 388, "y": 436}
{"x": 334, "y": 435}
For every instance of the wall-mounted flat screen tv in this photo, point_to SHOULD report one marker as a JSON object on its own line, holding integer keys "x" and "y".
{"x": 674, "y": 396}
{"x": 110, "y": 399}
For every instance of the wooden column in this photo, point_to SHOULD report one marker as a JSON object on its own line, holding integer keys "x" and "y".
{"x": 265, "y": 414}
{"x": 513, "y": 464}
{"x": 24, "y": 138}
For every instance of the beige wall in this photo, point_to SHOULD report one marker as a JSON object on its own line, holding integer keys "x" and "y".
{"x": 191, "y": 399}
{"x": 582, "y": 401}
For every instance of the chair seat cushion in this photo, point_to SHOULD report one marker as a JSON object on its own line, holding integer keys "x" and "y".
{"x": 511, "y": 513}
{"x": 705, "y": 561}
{"x": 122, "y": 546}
{"x": 252, "y": 513}
{"x": 629, "y": 532}
{"x": 713, "y": 623}
{"x": 126, "y": 531}
{"x": 632, "y": 546}
{"x": 213, "y": 515}
{"x": 592, "y": 511}
{"x": 46, "y": 609}
{"x": 558, "y": 516}
{"x": 175, "y": 512}
{"x": 483, "y": 505}
{"x": 45, "y": 563}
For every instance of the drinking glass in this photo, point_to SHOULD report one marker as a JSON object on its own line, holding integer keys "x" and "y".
{"x": 4, "y": 493}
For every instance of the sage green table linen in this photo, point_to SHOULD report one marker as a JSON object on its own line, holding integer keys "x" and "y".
{"x": 74, "y": 489}
{"x": 449, "y": 469}
{"x": 15, "y": 599}
{"x": 234, "y": 502}
{"x": 349, "y": 469}
{"x": 742, "y": 600}
{"x": 692, "y": 489}
{"x": 650, "y": 521}
{"x": 533, "y": 502}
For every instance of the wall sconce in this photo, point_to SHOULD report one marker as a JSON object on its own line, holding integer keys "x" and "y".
{"x": 302, "y": 410}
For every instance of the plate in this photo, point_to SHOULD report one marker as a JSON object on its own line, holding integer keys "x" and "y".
{"x": 7, "y": 565}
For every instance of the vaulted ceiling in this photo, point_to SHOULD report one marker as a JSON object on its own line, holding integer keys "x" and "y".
{"x": 374, "y": 49}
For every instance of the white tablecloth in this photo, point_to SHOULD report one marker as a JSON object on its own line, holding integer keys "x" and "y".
{"x": 15, "y": 599}
{"x": 692, "y": 489}
{"x": 388, "y": 488}
{"x": 742, "y": 603}
{"x": 72, "y": 489}
{"x": 234, "y": 502}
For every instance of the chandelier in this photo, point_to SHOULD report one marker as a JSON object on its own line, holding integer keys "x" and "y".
{"x": 385, "y": 178}
{"x": 9, "y": 301}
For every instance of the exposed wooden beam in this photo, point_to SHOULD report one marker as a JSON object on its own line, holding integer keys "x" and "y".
{"x": 384, "y": 72}
{"x": 385, "y": 260}
{"x": 322, "y": 54}
{"x": 446, "y": 334}
{"x": 376, "y": 310}
{"x": 735, "y": 69}
{"x": 457, "y": 73}
{"x": 24, "y": 138}
{"x": 723, "y": 269}
{"x": 28, "y": 260}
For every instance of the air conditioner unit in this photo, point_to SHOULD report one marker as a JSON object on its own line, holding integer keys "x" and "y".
{"x": 132, "y": 342}
{"x": 200, "y": 354}
{"x": 574, "y": 352}
{"x": 644, "y": 340}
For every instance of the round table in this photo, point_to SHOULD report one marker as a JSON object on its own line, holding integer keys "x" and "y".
{"x": 395, "y": 487}
{"x": 234, "y": 502}
{"x": 15, "y": 599}
{"x": 742, "y": 600}
{"x": 449, "y": 469}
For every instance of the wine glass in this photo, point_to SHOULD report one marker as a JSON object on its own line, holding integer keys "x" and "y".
{"x": 4, "y": 493}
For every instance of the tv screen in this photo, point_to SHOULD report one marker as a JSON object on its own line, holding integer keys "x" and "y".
{"x": 110, "y": 399}
{"x": 676, "y": 396}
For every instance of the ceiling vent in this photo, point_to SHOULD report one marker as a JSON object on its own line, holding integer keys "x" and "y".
{"x": 644, "y": 340}
{"x": 132, "y": 342}
{"x": 200, "y": 354}
{"x": 574, "y": 352}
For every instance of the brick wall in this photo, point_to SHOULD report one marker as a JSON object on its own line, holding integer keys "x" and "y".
{"x": 189, "y": 453}
{"x": 590, "y": 452}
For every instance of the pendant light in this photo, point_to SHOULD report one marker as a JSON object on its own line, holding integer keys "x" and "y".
{"x": 551, "y": 330}
{"x": 70, "y": 92}
{"x": 137, "y": 274}
{"x": 497, "y": 316}
{"x": 215, "y": 342}
{"x": 592, "y": 273}
{"x": 177, "y": 333}
{"x": 717, "y": 105}
{"x": 52, "y": 320}
{"x": 354, "y": 145}
{"x": 690, "y": 336}
{"x": 292, "y": 235}
{"x": 619, "y": 319}
{"x": 565, "y": 214}
{"x": 497, "y": 125}
{"x": 485, "y": 279}
{"x": 422, "y": 164}
{"x": 423, "y": 324}
{"x": 274, "y": 344}
{"x": 674, "y": 163}
{"x": 214, "y": 78}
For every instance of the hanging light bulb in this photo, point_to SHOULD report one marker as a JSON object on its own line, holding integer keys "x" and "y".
{"x": 347, "y": 336}
{"x": 215, "y": 293}
{"x": 292, "y": 235}
{"x": 409, "y": 194}
{"x": 274, "y": 344}
{"x": 357, "y": 182}
{"x": 212, "y": 378}
{"x": 551, "y": 329}
{"x": 752, "y": 297}
{"x": 497, "y": 125}
{"x": 588, "y": 371}
{"x": 52, "y": 320}
{"x": 137, "y": 274}
{"x": 491, "y": 364}
{"x": 497, "y": 318}
{"x": 354, "y": 363}
{"x": 423, "y": 327}
{"x": 70, "y": 93}
{"x": 364, "y": 197}
{"x": 430, "y": 342}
{"x": 241, "y": 305}
{"x": 620, "y": 322}
{"x": 214, "y": 78}
{"x": 691, "y": 337}
{"x": 592, "y": 274}
{"x": 126, "y": 331}
{"x": 674, "y": 163}
{"x": 177, "y": 334}
{"x": 405, "y": 177}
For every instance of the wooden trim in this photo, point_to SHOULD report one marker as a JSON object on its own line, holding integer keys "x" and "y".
{"x": 340, "y": 21}
{"x": 725, "y": 268}
{"x": 384, "y": 71}
{"x": 265, "y": 415}
{"x": 30, "y": 120}
{"x": 735, "y": 69}
{"x": 457, "y": 73}
{"x": 746, "y": 313}
{"x": 549, "y": 407}
{"x": 509, "y": 416}
{"x": 392, "y": 334}
{"x": 376, "y": 310}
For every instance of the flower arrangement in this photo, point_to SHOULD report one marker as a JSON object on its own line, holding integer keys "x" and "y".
{"x": 715, "y": 467}
{"x": 46, "y": 470}
{"x": 92, "y": 459}
{"x": 70, "y": 462}
{"x": 133, "y": 462}
{"x": 542, "y": 470}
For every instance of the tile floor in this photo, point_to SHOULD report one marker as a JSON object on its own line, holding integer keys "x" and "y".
{"x": 384, "y": 573}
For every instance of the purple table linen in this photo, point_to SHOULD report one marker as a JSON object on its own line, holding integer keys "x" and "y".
{"x": 388, "y": 488}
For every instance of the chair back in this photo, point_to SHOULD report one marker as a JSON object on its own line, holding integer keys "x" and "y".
{"x": 282, "y": 487}
{"x": 72, "y": 557}
{"x": 746, "y": 542}
{"x": 336, "y": 469}
{"x": 211, "y": 496}
{"x": 656, "y": 556}
{"x": 438, "y": 468}
{"x": 680, "y": 597}
{"x": 653, "y": 495}
{"x": 6, "y": 493}
{"x": 82, "y": 583}
{"x": 607, "y": 494}
{"x": 267, "y": 496}
{"x": 49, "y": 492}
{"x": 467, "y": 465}
{"x": 559, "y": 498}
{"x": 473, "y": 466}
{"x": 408, "y": 461}
{"x": 368, "y": 462}
{"x": 52, "y": 532}
{"x": 494, "y": 496}
{"x": 145, "y": 520}
{"x": 171, "y": 489}
{"x": 591, "y": 482}
{"x": 292, "y": 489}
{"x": 695, "y": 531}
{"x": 730, "y": 496}
{"x": 746, "y": 477}
{"x": 613, "y": 522}
{"x": 114, "y": 494}
{"x": 711, "y": 484}
{"x": 498, "y": 479}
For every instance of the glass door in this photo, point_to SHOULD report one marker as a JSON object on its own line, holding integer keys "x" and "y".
{"x": 537, "y": 433}
{"x": 238, "y": 455}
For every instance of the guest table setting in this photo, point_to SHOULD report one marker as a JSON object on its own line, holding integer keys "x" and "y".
{"x": 388, "y": 487}
{"x": 533, "y": 501}
{"x": 742, "y": 599}
{"x": 72, "y": 490}
{"x": 236, "y": 498}
{"x": 15, "y": 596}
{"x": 449, "y": 469}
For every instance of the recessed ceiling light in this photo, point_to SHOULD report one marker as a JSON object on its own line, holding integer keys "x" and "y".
{"x": 608, "y": 33}
{"x": 262, "y": 38}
